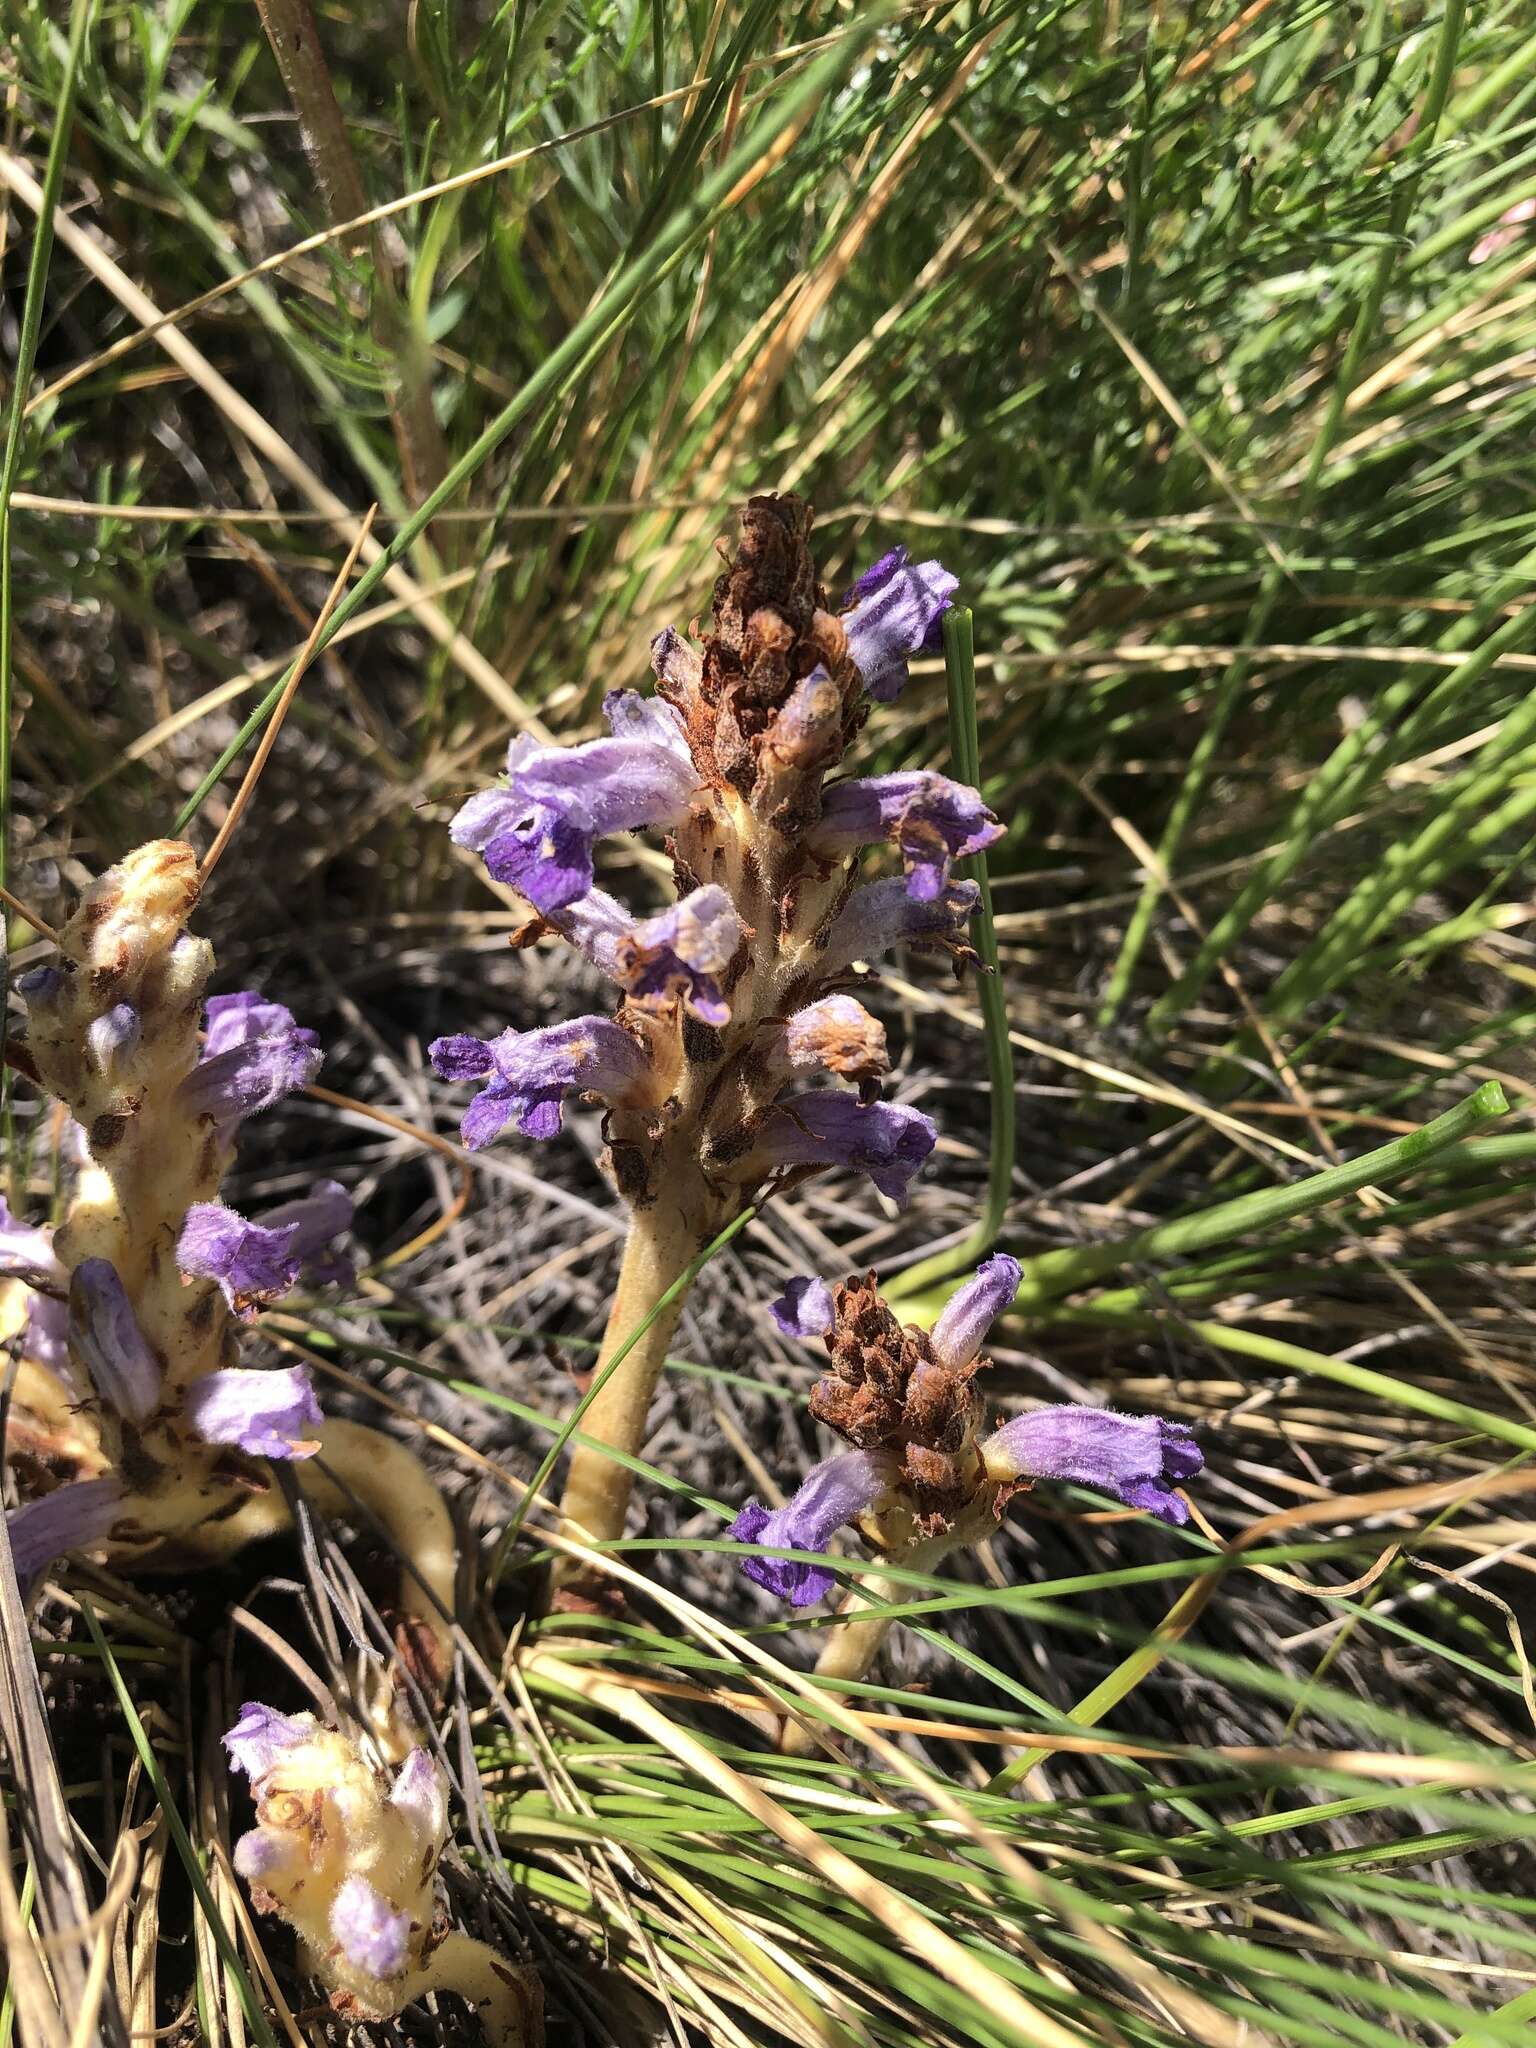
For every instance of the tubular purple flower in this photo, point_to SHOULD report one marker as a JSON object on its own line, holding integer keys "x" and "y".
{"x": 113, "y": 1035}
{"x": 318, "y": 1219}
{"x": 537, "y": 830}
{"x": 106, "y": 1337}
{"x": 47, "y": 1337}
{"x": 835, "y": 1036}
{"x": 1137, "y": 1458}
{"x": 374, "y": 1938}
{"x": 26, "y": 1252}
{"x": 674, "y": 661}
{"x": 261, "y": 1851}
{"x": 262, "y": 1736}
{"x": 804, "y": 1309}
{"x": 418, "y": 1792}
{"x": 594, "y": 925}
{"x": 886, "y": 1140}
{"x": 69, "y": 1518}
{"x": 529, "y": 1073}
{"x": 684, "y": 952}
{"x": 633, "y": 716}
{"x": 931, "y": 819}
{"x": 250, "y": 1262}
{"x": 833, "y": 1493}
{"x": 884, "y": 914}
{"x": 40, "y": 986}
{"x": 962, "y": 1327}
{"x": 254, "y": 1055}
{"x": 243, "y": 1016}
{"x": 896, "y": 608}
{"x": 263, "y": 1412}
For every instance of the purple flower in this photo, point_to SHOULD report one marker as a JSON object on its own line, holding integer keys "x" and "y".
{"x": 262, "y": 1737}
{"x": 318, "y": 1219}
{"x": 67, "y": 1519}
{"x": 674, "y": 661}
{"x": 262, "y": 1412}
{"x": 255, "y": 1054}
{"x": 967, "y": 1316}
{"x": 260, "y": 1851}
{"x": 834, "y": 1493}
{"x": 106, "y": 1337}
{"x": 1137, "y": 1458}
{"x": 26, "y": 1252}
{"x": 684, "y": 952}
{"x": 374, "y": 1938}
{"x": 47, "y": 1338}
{"x": 884, "y": 914}
{"x": 594, "y": 925}
{"x": 804, "y": 1309}
{"x": 40, "y": 986}
{"x": 250, "y": 1262}
{"x": 886, "y": 1140}
{"x": 418, "y": 1793}
{"x": 113, "y": 1035}
{"x": 896, "y": 608}
{"x": 537, "y": 830}
{"x": 835, "y": 1036}
{"x": 530, "y": 1073}
{"x": 931, "y": 819}
{"x": 634, "y": 716}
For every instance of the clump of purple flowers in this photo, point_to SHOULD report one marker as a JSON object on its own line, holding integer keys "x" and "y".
{"x": 135, "y": 1426}
{"x": 739, "y": 1057}
{"x": 920, "y": 1475}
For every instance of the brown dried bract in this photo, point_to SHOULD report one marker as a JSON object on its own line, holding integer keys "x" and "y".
{"x": 770, "y": 629}
{"x": 886, "y": 1388}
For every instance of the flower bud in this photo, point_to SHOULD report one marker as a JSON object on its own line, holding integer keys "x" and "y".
{"x": 105, "y": 1335}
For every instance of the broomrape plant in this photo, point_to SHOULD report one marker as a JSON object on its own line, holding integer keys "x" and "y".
{"x": 920, "y": 1479}
{"x": 735, "y": 1002}
{"x": 138, "y": 1432}
{"x": 347, "y": 1852}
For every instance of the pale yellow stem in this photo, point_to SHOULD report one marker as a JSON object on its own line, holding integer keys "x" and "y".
{"x": 508, "y": 1997}
{"x": 662, "y": 1241}
{"x": 391, "y": 1482}
{"x": 854, "y": 1643}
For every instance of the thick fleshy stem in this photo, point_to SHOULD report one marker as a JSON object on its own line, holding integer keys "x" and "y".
{"x": 507, "y": 1997}
{"x": 357, "y": 1466}
{"x": 859, "y": 1635}
{"x": 662, "y": 1240}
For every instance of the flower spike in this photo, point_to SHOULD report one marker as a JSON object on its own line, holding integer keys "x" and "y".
{"x": 732, "y": 996}
{"x": 348, "y": 1855}
{"x": 904, "y": 1399}
{"x": 132, "y": 1392}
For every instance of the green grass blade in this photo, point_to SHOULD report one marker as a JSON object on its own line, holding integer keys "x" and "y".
{"x": 991, "y": 994}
